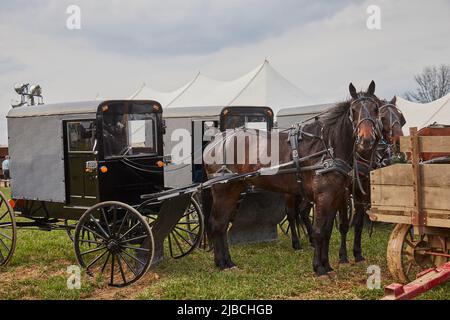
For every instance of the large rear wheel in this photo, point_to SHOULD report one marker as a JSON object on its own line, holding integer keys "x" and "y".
{"x": 113, "y": 240}
{"x": 8, "y": 231}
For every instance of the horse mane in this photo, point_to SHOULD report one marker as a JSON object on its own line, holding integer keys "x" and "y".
{"x": 337, "y": 115}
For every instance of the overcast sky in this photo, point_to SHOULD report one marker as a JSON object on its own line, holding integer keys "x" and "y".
{"x": 318, "y": 45}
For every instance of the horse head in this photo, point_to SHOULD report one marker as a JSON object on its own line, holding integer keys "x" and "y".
{"x": 392, "y": 121}
{"x": 364, "y": 115}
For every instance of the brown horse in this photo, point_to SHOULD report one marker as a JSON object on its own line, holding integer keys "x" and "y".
{"x": 392, "y": 121}
{"x": 349, "y": 126}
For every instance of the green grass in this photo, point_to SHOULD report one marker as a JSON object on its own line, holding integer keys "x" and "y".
{"x": 266, "y": 271}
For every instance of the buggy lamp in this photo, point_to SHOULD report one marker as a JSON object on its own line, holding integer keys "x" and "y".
{"x": 103, "y": 169}
{"x": 160, "y": 164}
{"x": 12, "y": 203}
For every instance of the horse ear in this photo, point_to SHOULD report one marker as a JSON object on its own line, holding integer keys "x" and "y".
{"x": 371, "y": 89}
{"x": 352, "y": 90}
{"x": 394, "y": 100}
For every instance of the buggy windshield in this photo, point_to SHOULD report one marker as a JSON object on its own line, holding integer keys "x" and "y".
{"x": 129, "y": 134}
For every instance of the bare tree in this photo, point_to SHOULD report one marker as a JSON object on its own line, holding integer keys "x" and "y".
{"x": 433, "y": 83}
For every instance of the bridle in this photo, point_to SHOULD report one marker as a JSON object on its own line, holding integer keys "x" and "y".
{"x": 393, "y": 117}
{"x": 364, "y": 115}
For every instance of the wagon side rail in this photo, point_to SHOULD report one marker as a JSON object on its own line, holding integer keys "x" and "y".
{"x": 415, "y": 193}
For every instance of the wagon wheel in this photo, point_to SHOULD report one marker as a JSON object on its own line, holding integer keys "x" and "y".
{"x": 114, "y": 239}
{"x": 8, "y": 232}
{"x": 405, "y": 256}
{"x": 70, "y": 228}
{"x": 187, "y": 234}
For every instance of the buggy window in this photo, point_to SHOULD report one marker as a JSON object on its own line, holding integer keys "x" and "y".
{"x": 80, "y": 136}
{"x": 247, "y": 121}
{"x": 129, "y": 134}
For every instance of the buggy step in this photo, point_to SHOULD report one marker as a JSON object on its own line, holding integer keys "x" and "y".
{"x": 425, "y": 281}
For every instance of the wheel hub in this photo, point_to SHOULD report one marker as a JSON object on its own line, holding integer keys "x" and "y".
{"x": 113, "y": 246}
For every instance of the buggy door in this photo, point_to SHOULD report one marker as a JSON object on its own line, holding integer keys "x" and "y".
{"x": 81, "y": 163}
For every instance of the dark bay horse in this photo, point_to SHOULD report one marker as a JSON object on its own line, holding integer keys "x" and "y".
{"x": 392, "y": 121}
{"x": 349, "y": 126}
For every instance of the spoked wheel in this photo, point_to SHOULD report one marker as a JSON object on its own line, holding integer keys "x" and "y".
{"x": 188, "y": 232}
{"x": 114, "y": 240}
{"x": 405, "y": 253}
{"x": 8, "y": 232}
{"x": 70, "y": 228}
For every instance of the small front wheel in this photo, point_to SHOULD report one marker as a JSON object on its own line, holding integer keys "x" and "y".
{"x": 113, "y": 239}
{"x": 188, "y": 232}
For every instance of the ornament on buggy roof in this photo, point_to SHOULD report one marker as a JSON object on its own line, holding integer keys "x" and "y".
{"x": 29, "y": 95}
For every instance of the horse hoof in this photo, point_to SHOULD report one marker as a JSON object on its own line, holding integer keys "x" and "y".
{"x": 332, "y": 274}
{"x": 235, "y": 268}
{"x": 324, "y": 277}
{"x": 296, "y": 246}
{"x": 344, "y": 261}
{"x": 359, "y": 259}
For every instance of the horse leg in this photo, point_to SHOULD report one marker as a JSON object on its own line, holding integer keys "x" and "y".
{"x": 343, "y": 230}
{"x": 326, "y": 243}
{"x": 323, "y": 204}
{"x": 225, "y": 201}
{"x": 292, "y": 218}
{"x": 305, "y": 209}
{"x": 359, "y": 224}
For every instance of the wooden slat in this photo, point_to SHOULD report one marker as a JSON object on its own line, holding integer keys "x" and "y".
{"x": 432, "y": 175}
{"x": 436, "y": 144}
{"x": 433, "y": 198}
{"x": 393, "y": 218}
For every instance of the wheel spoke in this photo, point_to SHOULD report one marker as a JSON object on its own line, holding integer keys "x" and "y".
{"x": 135, "y": 248}
{"x": 96, "y": 259}
{"x": 122, "y": 223}
{"x": 185, "y": 230}
{"x": 5, "y": 236}
{"x": 106, "y": 261}
{"x": 121, "y": 269}
{"x": 129, "y": 230}
{"x": 5, "y": 246}
{"x": 133, "y": 257}
{"x": 176, "y": 242}
{"x": 181, "y": 236}
{"x": 106, "y": 220}
{"x": 99, "y": 226}
{"x": 134, "y": 239}
{"x": 91, "y": 241}
{"x": 101, "y": 247}
{"x": 93, "y": 232}
{"x": 408, "y": 269}
{"x": 112, "y": 269}
{"x": 128, "y": 265}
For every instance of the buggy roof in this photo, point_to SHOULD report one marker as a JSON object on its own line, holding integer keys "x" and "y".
{"x": 79, "y": 107}
{"x": 312, "y": 109}
{"x": 64, "y": 108}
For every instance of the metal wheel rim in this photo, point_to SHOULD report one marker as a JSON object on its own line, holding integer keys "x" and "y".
{"x": 113, "y": 243}
{"x": 8, "y": 231}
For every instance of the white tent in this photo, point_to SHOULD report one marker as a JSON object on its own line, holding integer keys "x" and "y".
{"x": 423, "y": 114}
{"x": 263, "y": 86}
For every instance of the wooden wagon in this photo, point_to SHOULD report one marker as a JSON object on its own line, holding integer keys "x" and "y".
{"x": 416, "y": 197}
